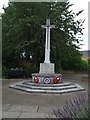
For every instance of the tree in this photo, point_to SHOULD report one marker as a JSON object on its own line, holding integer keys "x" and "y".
{"x": 22, "y": 32}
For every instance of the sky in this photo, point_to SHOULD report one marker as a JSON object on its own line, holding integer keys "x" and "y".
{"x": 77, "y": 6}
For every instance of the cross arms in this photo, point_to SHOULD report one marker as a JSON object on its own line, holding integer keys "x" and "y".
{"x": 45, "y": 26}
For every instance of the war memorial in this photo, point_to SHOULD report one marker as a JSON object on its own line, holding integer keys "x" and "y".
{"x": 47, "y": 81}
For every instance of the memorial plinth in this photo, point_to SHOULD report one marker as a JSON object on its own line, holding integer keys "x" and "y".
{"x": 47, "y": 68}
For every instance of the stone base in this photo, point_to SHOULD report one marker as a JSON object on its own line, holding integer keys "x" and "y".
{"x": 29, "y": 86}
{"x": 46, "y": 68}
{"x": 41, "y": 76}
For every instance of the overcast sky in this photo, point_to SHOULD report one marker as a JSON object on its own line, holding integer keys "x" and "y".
{"x": 78, "y": 5}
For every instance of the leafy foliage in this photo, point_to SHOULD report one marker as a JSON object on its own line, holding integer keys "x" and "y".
{"x": 89, "y": 68}
{"x": 75, "y": 108}
{"x": 4, "y": 72}
{"x": 22, "y": 33}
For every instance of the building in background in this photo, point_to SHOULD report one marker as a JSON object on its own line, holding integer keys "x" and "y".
{"x": 85, "y": 54}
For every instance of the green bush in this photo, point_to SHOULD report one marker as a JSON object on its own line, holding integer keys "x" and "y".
{"x": 89, "y": 61}
{"x": 84, "y": 65}
{"x": 75, "y": 63}
{"x": 28, "y": 67}
{"x": 4, "y": 72}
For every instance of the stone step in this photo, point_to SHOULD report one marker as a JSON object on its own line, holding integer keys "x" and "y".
{"x": 47, "y": 85}
{"x": 64, "y": 87}
{"x": 48, "y": 88}
{"x": 78, "y": 88}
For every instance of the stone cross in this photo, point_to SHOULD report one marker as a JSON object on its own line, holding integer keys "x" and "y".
{"x": 47, "y": 44}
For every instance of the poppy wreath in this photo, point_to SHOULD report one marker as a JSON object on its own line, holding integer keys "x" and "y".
{"x": 36, "y": 79}
{"x": 56, "y": 79}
